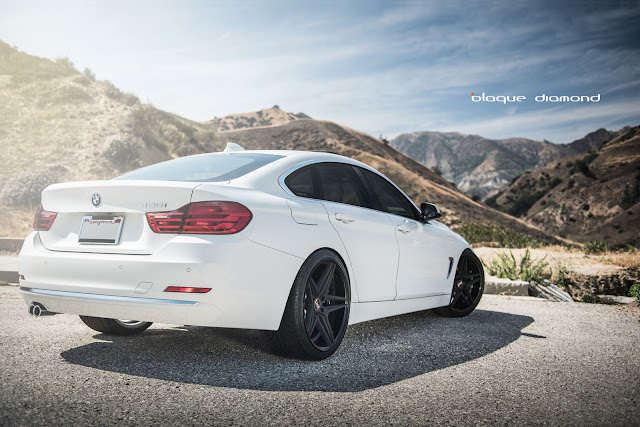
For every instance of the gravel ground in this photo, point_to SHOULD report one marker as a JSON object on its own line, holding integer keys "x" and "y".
{"x": 513, "y": 361}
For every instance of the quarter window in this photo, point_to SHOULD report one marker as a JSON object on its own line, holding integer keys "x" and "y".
{"x": 392, "y": 200}
{"x": 300, "y": 182}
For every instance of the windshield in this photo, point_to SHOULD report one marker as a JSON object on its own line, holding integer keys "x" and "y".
{"x": 213, "y": 167}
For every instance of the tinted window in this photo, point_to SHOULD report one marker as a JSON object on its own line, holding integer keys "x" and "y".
{"x": 339, "y": 183}
{"x": 392, "y": 200}
{"x": 213, "y": 167}
{"x": 300, "y": 182}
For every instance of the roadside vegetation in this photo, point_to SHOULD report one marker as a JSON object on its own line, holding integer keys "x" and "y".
{"x": 527, "y": 268}
{"x": 497, "y": 236}
{"x": 634, "y": 292}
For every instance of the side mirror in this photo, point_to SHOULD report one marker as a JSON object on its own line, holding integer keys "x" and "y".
{"x": 429, "y": 211}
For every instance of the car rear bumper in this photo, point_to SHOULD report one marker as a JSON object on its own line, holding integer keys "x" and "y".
{"x": 250, "y": 283}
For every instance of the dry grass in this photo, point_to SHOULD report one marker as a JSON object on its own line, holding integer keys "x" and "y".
{"x": 622, "y": 259}
{"x": 16, "y": 223}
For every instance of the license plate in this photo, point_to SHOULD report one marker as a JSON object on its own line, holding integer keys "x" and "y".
{"x": 100, "y": 230}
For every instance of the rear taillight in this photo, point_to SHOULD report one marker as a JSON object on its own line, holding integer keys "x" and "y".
{"x": 43, "y": 220}
{"x": 202, "y": 218}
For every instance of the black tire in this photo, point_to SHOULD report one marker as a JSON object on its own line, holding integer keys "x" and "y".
{"x": 468, "y": 286}
{"x": 317, "y": 312}
{"x": 115, "y": 326}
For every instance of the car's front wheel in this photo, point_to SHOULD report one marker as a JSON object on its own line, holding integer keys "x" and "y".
{"x": 115, "y": 326}
{"x": 468, "y": 286}
{"x": 317, "y": 312}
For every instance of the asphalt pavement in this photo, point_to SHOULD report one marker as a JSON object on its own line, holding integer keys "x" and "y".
{"x": 514, "y": 361}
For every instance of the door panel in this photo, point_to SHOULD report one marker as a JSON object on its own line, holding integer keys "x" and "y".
{"x": 424, "y": 259}
{"x": 369, "y": 237}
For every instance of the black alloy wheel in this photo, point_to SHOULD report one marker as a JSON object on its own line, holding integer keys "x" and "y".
{"x": 317, "y": 312}
{"x": 468, "y": 286}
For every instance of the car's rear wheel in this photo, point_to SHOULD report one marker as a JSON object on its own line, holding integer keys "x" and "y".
{"x": 468, "y": 286}
{"x": 317, "y": 312}
{"x": 115, "y": 326}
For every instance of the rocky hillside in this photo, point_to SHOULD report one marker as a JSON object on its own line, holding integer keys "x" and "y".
{"x": 58, "y": 124}
{"x": 480, "y": 166}
{"x": 588, "y": 196}
{"x": 418, "y": 181}
{"x": 267, "y": 117}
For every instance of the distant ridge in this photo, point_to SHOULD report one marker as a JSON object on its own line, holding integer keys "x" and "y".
{"x": 481, "y": 166}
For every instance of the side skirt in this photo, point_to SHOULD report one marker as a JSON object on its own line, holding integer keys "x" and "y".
{"x": 363, "y": 311}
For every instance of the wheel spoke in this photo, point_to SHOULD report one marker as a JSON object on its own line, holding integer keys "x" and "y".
{"x": 331, "y": 308}
{"x": 334, "y": 298}
{"x": 467, "y": 296}
{"x": 313, "y": 288}
{"x": 471, "y": 283}
{"x": 456, "y": 296}
{"x": 310, "y": 323}
{"x": 324, "y": 327}
{"x": 325, "y": 280}
{"x": 472, "y": 276}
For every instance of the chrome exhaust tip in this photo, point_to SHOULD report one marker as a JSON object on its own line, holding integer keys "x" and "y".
{"x": 36, "y": 309}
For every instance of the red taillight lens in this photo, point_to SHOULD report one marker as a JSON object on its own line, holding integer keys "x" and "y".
{"x": 43, "y": 220}
{"x": 202, "y": 218}
{"x": 166, "y": 222}
{"x": 216, "y": 218}
{"x": 187, "y": 289}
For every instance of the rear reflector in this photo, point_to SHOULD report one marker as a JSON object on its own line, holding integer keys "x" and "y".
{"x": 43, "y": 220}
{"x": 202, "y": 218}
{"x": 187, "y": 289}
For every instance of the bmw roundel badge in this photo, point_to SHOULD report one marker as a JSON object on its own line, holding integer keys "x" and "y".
{"x": 95, "y": 199}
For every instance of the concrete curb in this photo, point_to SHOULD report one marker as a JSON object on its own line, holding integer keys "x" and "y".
{"x": 12, "y": 244}
{"x": 9, "y": 276}
{"x": 499, "y": 286}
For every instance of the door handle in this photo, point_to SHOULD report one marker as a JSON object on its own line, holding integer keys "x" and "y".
{"x": 344, "y": 218}
{"x": 404, "y": 229}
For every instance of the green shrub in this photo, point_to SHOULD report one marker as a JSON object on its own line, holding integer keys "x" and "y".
{"x": 634, "y": 292}
{"x": 504, "y": 236}
{"x": 555, "y": 182}
{"x": 125, "y": 154}
{"x": 526, "y": 268}
{"x": 594, "y": 247}
{"x": 582, "y": 165}
{"x": 562, "y": 277}
{"x": 24, "y": 189}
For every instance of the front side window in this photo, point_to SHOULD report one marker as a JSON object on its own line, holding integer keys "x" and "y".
{"x": 392, "y": 200}
{"x": 339, "y": 183}
{"x": 214, "y": 167}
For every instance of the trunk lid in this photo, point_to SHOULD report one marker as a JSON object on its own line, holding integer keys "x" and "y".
{"x": 128, "y": 200}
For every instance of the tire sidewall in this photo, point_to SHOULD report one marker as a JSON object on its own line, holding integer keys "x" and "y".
{"x": 299, "y": 287}
{"x": 457, "y": 313}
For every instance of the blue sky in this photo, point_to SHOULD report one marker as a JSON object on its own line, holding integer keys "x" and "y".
{"x": 378, "y": 67}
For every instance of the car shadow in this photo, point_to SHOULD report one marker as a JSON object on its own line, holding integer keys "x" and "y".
{"x": 373, "y": 354}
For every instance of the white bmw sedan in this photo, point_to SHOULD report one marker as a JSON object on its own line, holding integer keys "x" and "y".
{"x": 301, "y": 244}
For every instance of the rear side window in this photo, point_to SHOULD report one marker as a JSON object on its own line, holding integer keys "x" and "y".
{"x": 214, "y": 167}
{"x": 300, "y": 182}
{"x": 392, "y": 200}
{"x": 338, "y": 182}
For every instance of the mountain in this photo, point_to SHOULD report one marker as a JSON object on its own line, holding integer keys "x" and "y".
{"x": 480, "y": 166}
{"x": 419, "y": 182}
{"x": 58, "y": 124}
{"x": 267, "y": 117}
{"x": 585, "y": 197}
